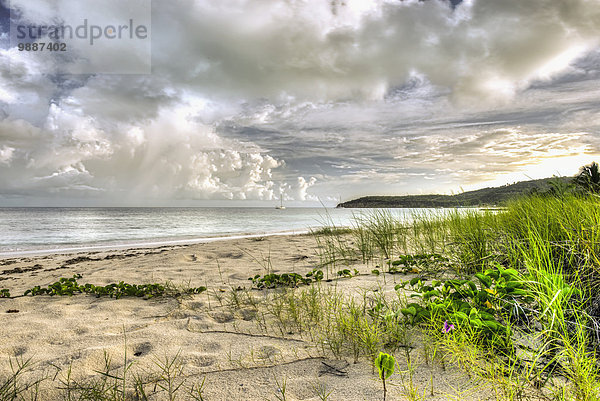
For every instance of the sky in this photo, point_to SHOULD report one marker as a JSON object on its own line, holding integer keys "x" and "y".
{"x": 244, "y": 100}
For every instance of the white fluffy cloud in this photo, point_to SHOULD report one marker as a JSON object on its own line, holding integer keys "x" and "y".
{"x": 6, "y": 153}
{"x": 170, "y": 156}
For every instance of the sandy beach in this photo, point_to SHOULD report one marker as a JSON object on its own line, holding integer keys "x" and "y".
{"x": 214, "y": 338}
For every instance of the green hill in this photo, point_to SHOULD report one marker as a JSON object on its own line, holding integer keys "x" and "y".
{"x": 480, "y": 197}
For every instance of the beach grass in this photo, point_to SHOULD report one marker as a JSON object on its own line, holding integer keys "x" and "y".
{"x": 549, "y": 348}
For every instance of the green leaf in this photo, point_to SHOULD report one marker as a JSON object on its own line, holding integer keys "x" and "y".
{"x": 486, "y": 316}
{"x": 490, "y": 324}
{"x": 430, "y": 294}
{"x": 385, "y": 364}
{"x": 411, "y": 310}
{"x": 514, "y": 284}
{"x": 460, "y": 316}
{"x": 493, "y": 273}
{"x": 485, "y": 280}
{"x": 510, "y": 273}
{"x": 422, "y": 314}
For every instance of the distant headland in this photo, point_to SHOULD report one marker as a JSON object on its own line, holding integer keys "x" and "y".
{"x": 495, "y": 196}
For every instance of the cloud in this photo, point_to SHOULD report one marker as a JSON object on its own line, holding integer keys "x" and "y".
{"x": 6, "y": 153}
{"x": 479, "y": 154}
{"x": 315, "y": 97}
{"x": 322, "y": 50}
{"x": 482, "y": 49}
{"x": 302, "y": 188}
{"x": 170, "y": 156}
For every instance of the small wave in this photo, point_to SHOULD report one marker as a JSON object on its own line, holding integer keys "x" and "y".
{"x": 16, "y": 252}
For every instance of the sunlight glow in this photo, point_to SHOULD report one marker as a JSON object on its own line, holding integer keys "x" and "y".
{"x": 500, "y": 87}
{"x": 560, "y": 62}
{"x": 553, "y": 165}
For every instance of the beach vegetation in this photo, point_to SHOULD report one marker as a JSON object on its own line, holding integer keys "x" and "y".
{"x": 320, "y": 390}
{"x": 113, "y": 381}
{"x": 280, "y": 394}
{"x": 423, "y": 264}
{"x": 70, "y": 286}
{"x": 327, "y": 230}
{"x": 385, "y": 364}
{"x": 589, "y": 178}
{"x": 274, "y": 280}
{"x": 510, "y": 295}
{"x": 18, "y": 385}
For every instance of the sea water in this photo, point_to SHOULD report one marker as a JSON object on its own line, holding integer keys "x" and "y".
{"x": 30, "y": 230}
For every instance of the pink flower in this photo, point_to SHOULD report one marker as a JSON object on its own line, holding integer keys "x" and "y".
{"x": 448, "y": 327}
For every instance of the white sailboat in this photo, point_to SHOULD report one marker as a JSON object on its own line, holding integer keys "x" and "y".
{"x": 280, "y": 206}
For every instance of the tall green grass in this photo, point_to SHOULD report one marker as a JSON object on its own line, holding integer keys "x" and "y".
{"x": 554, "y": 242}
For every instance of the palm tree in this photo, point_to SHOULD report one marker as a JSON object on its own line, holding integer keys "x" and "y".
{"x": 589, "y": 177}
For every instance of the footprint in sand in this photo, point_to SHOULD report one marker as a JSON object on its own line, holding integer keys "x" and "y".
{"x": 191, "y": 258}
{"x": 248, "y": 314}
{"x": 210, "y": 346}
{"x": 231, "y": 255}
{"x": 194, "y": 305}
{"x": 142, "y": 349}
{"x": 198, "y": 326}
{"x": 80, "y": 330}
{"x": 222, "y": 317}
{"x": 202, "y": 360}
{"x": 18, "y": 351}
{"x": 238, "y": 276}
{"x": 268, "y": 352}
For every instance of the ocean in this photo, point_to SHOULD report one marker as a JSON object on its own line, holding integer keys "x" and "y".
{"x": 41, "y": 230}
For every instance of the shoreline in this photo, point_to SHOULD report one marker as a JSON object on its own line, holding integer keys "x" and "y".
{"x": 143, "y": 245}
